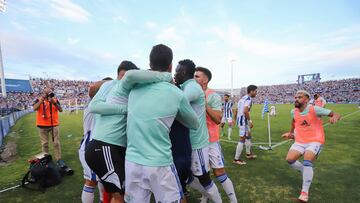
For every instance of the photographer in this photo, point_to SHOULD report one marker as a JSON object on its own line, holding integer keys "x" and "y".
{"x": 47, "y": 120}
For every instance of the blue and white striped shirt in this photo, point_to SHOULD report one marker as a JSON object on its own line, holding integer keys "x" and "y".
{"x": 245, "y": 101}
{"x": 227, "y": 109}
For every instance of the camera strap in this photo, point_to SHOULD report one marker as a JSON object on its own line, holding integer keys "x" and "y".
{"x": 51, "y": 120}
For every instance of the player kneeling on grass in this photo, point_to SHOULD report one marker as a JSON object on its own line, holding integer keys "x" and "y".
{"x": 308, "y": 132}
{"x": 87, "y": 195}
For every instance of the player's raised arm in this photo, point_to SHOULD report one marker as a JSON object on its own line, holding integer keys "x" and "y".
{"x": 334, "y": 117}
{"x": 98, "y": 104}
{"x": 133, "y": 77}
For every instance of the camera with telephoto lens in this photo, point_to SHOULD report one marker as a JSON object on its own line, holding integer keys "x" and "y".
{"x": 65, "y": 168}
{"x": 68, "y": 171}
{"x": 51, "y": 95}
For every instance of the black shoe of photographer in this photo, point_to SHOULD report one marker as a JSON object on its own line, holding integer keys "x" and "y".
{"x": 61, "y": 163}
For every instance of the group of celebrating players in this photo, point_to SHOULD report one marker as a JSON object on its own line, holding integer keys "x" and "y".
{"x": 146, "y": 133}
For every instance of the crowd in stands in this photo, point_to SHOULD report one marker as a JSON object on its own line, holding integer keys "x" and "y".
{"x": 336, "y": 91}
{"x": 65, "y": 90}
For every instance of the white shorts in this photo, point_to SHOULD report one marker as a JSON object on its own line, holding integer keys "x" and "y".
{"x": 141, "y": 181}
{"x": 228, "y": 120}
{"x": 244, "y": 130}
{"x": 315, "y": 147}
{"x": 200, "y": 161}
{"x": 216, "y": 156}
{"x": 88, "y": 173}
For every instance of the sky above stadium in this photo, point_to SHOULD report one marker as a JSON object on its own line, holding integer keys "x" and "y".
{"x": 271, "y": 42}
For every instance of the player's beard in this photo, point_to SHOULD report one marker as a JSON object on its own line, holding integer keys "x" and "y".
{"x": 298, "y": 104}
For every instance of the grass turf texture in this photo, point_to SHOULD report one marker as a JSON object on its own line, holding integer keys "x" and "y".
{"x": 266, "y": 179}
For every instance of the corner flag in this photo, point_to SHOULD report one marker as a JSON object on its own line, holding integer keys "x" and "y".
{"x": 265, "y": 108}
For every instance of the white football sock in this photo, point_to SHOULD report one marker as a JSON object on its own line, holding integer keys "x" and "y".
{"x": 308, "y": 175}
{"x": 229, "y": 132}
{"x": 87, "y": 195}
{"x": 248, "y": 146}
{"x": 213, "y": 193}
{"x": 228, "y": 187}
{"x": 297, "y": 165}
{"x": 239, "y": 149}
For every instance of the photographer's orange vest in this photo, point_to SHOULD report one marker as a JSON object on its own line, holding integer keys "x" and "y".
{"x": 43, "y": 117}
{"x": 308, "y": 128}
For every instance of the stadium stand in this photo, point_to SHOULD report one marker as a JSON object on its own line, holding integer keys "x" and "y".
{"x": 21, "y": 93}
{"x": 334, "y": 91}
{"x": 18, "y": 94}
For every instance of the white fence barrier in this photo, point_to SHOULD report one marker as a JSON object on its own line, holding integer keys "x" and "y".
{"x": 8, "y": 121}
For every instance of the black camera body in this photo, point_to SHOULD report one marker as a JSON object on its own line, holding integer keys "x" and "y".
{"x": 67, "y": 170}
{"x": 51, "y": 95}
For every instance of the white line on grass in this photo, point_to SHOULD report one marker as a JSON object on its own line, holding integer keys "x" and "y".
{"x": 255, "y": 143}
{"x": 10, "y": 188}
{"x": 285, "y": 141}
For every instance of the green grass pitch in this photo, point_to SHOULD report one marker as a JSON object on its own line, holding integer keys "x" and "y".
{"x": 266, "y": 179}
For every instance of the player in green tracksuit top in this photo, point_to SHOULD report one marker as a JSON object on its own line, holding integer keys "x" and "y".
{"x": 106, "y": 154}
{"x": 152, "y": 109}
{"x": 199, "y": 138}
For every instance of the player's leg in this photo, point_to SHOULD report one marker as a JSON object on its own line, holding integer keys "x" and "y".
{"x": 200, "y": 170}
{"x": 230, "y": 124}
{"x": 184, "y": 172}
{"x": 87, "y": 195}
{"x": 107, "y": 161}
{"x": 137, "y": 184}
{"x": 294, "y": 153}
{"x": 165, "y": 184}
{"x": 218, "y": 165}
{"x": 311, "y": 152}
{"x": 240, "y": 145}
{"x": 248, "y": 144}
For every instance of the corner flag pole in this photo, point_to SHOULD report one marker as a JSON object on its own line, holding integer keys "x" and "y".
{"x": 269, "y": 130}
{"x": 266, "y": 110}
